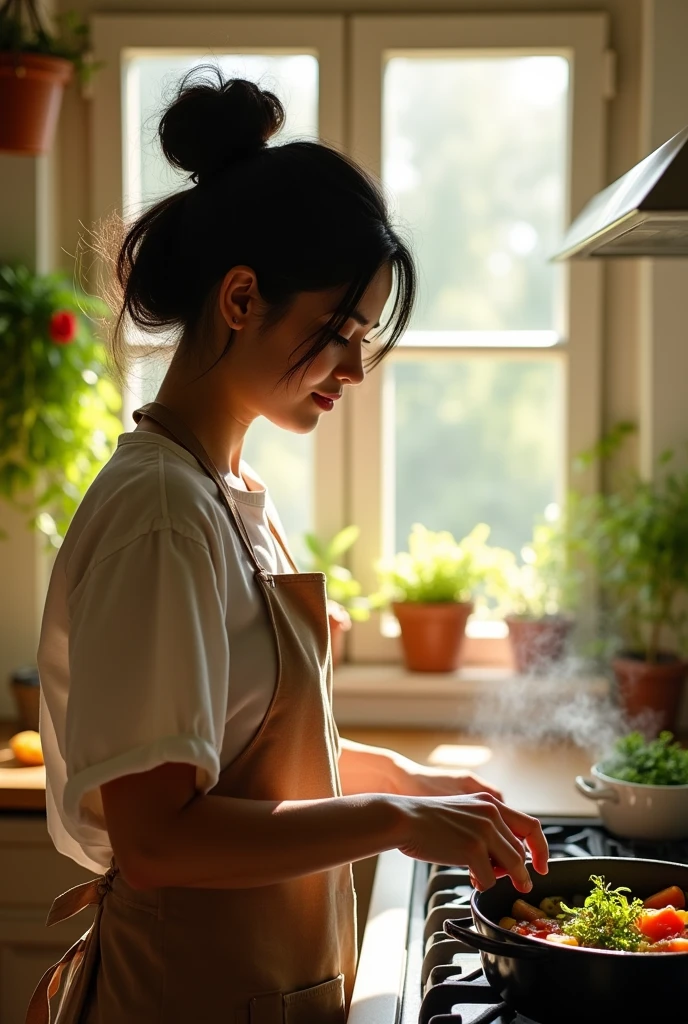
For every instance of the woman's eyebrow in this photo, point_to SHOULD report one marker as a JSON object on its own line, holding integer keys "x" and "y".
{"x": 360, "y": 319}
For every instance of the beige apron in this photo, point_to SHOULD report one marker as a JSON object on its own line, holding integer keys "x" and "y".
{"x": 276, "y": 954}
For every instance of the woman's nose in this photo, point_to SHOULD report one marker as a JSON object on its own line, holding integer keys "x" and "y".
{"x": 350, "y": 370}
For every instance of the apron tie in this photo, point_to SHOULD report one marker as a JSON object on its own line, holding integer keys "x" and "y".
{"x": 65, "y": 906}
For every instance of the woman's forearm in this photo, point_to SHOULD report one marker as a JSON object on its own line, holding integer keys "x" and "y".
{"x": 222, "y": 842}
{"x": 366, "y": 769}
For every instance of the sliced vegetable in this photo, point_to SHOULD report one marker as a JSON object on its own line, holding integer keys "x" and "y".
{"x": 679, "y": 945}
{"x": 563, "y": 940}
{"x": 660, "y": 924}
{"x": 671, "y": 897}
{"x": 523, "y": 911}
{"x": 540, "y": 929}
{"x": 552, "y": 905}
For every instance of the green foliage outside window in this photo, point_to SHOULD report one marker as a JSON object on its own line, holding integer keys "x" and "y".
{"x": 58, "y": 409}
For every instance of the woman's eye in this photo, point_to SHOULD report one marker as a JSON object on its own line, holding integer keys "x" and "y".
{"x": 339, "y": 339}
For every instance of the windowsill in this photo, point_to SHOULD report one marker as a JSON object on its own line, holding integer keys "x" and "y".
{"x": 389, "y": 695}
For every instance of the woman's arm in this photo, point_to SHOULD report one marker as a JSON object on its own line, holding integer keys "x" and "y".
{"x": 365, "y": 769}
{"x": 164, "y": 833}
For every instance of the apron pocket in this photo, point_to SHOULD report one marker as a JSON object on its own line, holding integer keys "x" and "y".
{"x": 320, "y": 1004}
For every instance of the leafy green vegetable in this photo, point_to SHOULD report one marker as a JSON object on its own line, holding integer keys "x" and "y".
{"x": 606, "y": 920}
{"x": 659, "y": 762}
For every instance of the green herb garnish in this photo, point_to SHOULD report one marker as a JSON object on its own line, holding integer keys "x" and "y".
{"x": 659, "y": 762}
{"x": 606, "y": 920}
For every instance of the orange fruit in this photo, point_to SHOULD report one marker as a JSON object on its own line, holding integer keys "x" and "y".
{"x": 26, "y": 747}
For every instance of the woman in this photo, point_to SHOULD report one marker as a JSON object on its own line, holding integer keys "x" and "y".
{"x": 192, "y": 758}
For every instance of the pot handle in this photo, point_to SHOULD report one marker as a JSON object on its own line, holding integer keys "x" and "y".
{"x": 594, "y": 792}
{"x": 459, "y": 929}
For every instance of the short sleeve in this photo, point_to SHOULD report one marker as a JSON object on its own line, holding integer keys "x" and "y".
{"x": 149, "y": 667}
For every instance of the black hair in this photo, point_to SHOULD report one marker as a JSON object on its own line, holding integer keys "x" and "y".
{"x": 302, "y": 215}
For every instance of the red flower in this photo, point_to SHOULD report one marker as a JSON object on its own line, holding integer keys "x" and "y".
{"x": 62, "y": 327}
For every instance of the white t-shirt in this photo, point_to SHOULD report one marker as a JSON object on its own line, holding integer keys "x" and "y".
{"x": 155, "y": 642}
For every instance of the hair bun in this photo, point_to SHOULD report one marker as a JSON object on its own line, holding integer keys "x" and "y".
{"x": 215, "y": 121}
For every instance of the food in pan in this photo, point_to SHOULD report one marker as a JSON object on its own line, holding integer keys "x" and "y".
{"x": 607, "y": 919}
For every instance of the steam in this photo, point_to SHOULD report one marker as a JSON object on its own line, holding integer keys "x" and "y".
{"x": 568, "y": 700}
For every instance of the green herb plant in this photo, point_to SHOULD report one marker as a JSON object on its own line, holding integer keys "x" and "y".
{"x": 635, "y": 537}
{"x": 439, "y": 569}
{"x": 606, "y": 920}
{"x": 658, "y": 762}
{"x": 58, "y": 422}
{"x": 340, "y": 584}
{"x": 22, "y": 30}
{"x": 543, "y": 583}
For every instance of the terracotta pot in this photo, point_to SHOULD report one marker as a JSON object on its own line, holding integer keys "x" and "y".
{"x": 657, "y": 687}
{"x": 31, "y": 87}
{"x": 537, "y": 643}
{"x": 432, "y": 634}
{"x": 25, "y": 685}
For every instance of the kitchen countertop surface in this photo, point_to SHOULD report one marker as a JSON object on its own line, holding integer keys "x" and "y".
{"x": 535, "y": 778}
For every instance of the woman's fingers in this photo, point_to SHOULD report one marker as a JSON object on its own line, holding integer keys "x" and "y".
{"x": 529, "y": 829}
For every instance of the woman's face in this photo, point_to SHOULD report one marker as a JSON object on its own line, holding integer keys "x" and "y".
{"x": 257, "y": 362}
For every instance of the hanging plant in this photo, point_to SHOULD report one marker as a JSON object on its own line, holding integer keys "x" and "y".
{"x": 58, "y": 422}
{"x": 35, "y": 67}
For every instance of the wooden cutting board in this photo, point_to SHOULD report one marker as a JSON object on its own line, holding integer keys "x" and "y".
{"x": 21, "y": 789}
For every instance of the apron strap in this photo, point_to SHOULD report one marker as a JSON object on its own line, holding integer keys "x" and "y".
{"x": 164, "y": 417}
{"x": 65, "y": 906}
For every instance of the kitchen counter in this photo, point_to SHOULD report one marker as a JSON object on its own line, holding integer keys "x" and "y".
{"x": 21, "y": 789}
{"x": 538, "y": 779}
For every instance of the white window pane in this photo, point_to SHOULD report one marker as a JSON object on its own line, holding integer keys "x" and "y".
{"x": 474, "y": 150}
{"x": 474, "y": 440}
{"x": 150, "y": 84}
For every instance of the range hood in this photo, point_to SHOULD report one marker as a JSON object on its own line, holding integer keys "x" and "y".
{"x": 643, "y": 213}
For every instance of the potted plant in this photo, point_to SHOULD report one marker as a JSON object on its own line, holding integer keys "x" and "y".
{"x": 636, "y": 537}
{"x": 430, "y": 589}
{"x": 342, "y": 589}
{"x": 35, "y": 67}
{"x": 58, "y": 422}
{"x": 539, "y": 596}
{"x": 641, "y": 788}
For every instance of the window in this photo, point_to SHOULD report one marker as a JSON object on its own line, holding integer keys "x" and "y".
{"x": 476, "y": 127}
{"x": 488, "y": 133}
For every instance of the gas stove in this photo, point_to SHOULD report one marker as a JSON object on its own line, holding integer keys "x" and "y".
{"x": 412, "y": 972}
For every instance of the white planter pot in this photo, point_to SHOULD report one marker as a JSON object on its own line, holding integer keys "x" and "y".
{"x": 637, "y": 811}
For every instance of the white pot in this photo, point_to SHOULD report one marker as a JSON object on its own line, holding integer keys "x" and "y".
{"x": 637, "y": 811}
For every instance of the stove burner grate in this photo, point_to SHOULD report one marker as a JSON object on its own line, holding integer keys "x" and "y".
{"x": 452, "y": 988}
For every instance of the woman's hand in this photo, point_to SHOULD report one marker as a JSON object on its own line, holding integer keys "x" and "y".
{"x": 479, "y": 831}
{"x": 414, "y": 779}
{"x": 338, "y": 616}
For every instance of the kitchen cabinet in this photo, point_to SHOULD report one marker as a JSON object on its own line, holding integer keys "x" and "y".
{"x": 32, "y": 873}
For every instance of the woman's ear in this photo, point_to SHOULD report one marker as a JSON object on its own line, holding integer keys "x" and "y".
{"x": 238, "y": 296}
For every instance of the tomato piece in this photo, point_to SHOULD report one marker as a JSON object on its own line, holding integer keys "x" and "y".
{"x": 660, "y": 924}
{"x": 671, "y": 897}
{"x": 679, "y": 945}
{"x": 539, "y": 929}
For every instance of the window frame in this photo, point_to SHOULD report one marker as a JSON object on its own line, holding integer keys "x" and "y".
{"x": 582, "y": 39}
{"x": 349, "y": 468}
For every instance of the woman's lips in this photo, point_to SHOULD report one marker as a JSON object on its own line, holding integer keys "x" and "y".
{"x": 323, "y": 401}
